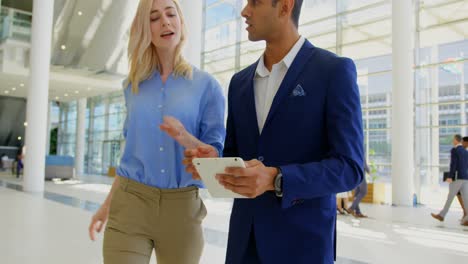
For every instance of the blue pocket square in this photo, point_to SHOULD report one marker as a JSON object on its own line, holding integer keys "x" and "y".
{"x": 298, "y": 91}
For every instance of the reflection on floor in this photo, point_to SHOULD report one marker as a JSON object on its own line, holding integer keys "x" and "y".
{"x": 52, "y": 228}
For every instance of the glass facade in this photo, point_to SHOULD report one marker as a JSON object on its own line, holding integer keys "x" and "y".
{"x": 15, "y": 24}
{"x": 105, "y": 116}
{"x": 67, "y": 129}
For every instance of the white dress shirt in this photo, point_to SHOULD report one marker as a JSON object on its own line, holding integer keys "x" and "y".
{"x": 266, "y": 83}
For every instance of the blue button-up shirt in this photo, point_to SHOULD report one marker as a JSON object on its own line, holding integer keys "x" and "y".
{"x": 152, "y": 157}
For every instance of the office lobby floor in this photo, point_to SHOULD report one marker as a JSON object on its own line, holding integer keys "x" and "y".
{"x": 52, "y": 228}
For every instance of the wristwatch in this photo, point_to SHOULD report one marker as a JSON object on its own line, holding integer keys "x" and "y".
{"x": 278, "y": 183}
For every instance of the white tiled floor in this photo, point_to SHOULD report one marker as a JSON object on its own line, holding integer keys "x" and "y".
{"x": 36, "y": 230}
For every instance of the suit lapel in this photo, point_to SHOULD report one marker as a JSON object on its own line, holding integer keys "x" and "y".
{"x": 288, "y": 83}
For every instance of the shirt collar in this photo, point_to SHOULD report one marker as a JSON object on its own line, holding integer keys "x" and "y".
{"x": 288, "y": 60}
{"x": 262, "y": 70}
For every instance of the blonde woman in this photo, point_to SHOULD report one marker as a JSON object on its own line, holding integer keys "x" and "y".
{"x": 154, "y": 203}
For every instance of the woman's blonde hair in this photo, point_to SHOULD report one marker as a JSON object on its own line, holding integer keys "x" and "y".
{"x": 142, "y": 54}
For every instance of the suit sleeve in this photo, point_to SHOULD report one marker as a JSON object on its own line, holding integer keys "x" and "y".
{"x": 342, "y": 168}
{"x": 453, "y": 163}
{"x": 230, "y": 144}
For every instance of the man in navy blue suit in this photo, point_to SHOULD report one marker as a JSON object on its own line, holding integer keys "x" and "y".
{"x": 457, "y": 179}
{"x": 294, "y": 116}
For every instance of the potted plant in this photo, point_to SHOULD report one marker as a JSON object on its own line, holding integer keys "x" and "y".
{"x": 375, "y": 190}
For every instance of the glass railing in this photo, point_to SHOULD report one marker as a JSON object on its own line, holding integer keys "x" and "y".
{"x": 15, "y": 24}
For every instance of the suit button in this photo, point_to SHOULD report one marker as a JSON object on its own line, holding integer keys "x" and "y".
{"x": 261, "y": 158}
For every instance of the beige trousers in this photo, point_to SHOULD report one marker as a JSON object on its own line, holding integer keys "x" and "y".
{"x": 143, "y": 218}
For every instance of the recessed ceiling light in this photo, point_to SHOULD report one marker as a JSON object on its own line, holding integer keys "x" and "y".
{"x": 56, "y": 97}
{"x": 19, "y": 138}
{"x": 13, "y": 88}
{"x": 7, "y": 92}
{"x": 65, "y": 95}
{"x": 22, "y": 84}
{"x": 89, "y": 88}
{"x": 80, "y": 13}
{"x": 77, "y": 92}
{"x": 25, "y": 123}
{"x": 63, "y": 47}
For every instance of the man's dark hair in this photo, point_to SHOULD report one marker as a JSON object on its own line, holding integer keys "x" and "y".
{"x": 465, "y": 139}
{"x": 458, "y": 137}
{"x": 296, "y": 11}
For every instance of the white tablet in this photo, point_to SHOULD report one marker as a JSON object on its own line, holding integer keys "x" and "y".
{"x": 209, "y": 167}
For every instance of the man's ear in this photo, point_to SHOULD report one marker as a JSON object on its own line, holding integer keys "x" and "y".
{"x": 286, "y": 7}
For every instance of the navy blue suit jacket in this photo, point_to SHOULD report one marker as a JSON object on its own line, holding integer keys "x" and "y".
{"x": 458, "y": 163}
{"x": 315, "y": 136}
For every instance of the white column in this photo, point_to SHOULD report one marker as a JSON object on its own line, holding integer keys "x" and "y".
{"x": 38, "y": 93}
{"x": 193, "y": 15}
{"x": 80, "y": 137}
{"x": 367, "y": 138}
{"x": 60, "y": 130}
{"x": 388, "y": 121}
{"x": 91, "y": 139}
{"x": 434, "y": 75}
{"x": 402, "y": 103}
{"x": 418, "y": 118}
{"x": 340, "y": 7}
{"x": 49, "y": 119}
{"x": 462, "y": 97}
